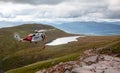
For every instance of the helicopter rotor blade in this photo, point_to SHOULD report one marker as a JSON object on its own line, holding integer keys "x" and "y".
{"x": 45, "y": 30}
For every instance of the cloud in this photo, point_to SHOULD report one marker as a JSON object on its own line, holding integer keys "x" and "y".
{"x": 113, "y": 11}
{"x": 34, "y": 2}
{"x": 59, "y": 10}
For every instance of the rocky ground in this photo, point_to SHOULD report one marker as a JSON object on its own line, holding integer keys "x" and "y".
{"x": 1, "y": 71}
{"x": 88, "y": 63}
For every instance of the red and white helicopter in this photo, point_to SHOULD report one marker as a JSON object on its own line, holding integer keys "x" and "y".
{"x": 38, "y": 35}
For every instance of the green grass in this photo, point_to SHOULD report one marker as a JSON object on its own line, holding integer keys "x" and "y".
{"x": 55, "y": 52}
{"x": 71, "y": 52}
{"x": 32, "y": 68}
{"x": 113, "y": 48}
{"x": 28, "y": 56}
{"x": 14, "y": 54}
{"x": 9, "y": 47}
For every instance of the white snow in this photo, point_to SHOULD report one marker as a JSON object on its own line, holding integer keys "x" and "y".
{"x": 63, "y": 40}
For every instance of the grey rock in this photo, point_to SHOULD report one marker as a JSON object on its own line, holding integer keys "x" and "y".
{"x": 1, "y": 71}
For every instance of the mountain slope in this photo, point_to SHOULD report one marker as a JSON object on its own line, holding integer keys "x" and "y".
{"x": 16, "y": 54}
{"x": 70, "y": 51}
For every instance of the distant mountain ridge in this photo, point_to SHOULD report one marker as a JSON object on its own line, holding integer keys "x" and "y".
{"x": 91, "y": 28}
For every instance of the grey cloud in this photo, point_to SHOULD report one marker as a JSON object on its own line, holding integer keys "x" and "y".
{"x": 87, "y": 10}
{"x": 35, "y": 1}
{"x": 113, "y": 14}
{"x": 6, "y": 16}
{"x": 26, "y": 12}
{"x": 79, "y": 8}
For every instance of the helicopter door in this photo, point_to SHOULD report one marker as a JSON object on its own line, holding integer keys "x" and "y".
{"x": 37, "y": 37}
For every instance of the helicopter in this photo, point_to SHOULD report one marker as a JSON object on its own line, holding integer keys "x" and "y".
{"x": 38, "y": 35}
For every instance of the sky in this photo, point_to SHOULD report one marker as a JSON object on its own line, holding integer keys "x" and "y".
{"x": 59, "y": 10}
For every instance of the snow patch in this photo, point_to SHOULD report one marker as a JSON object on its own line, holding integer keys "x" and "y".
{"x": 63, "y": 40}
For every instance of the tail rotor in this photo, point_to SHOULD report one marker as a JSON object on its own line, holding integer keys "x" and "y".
{"x": 17, "y": 37}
